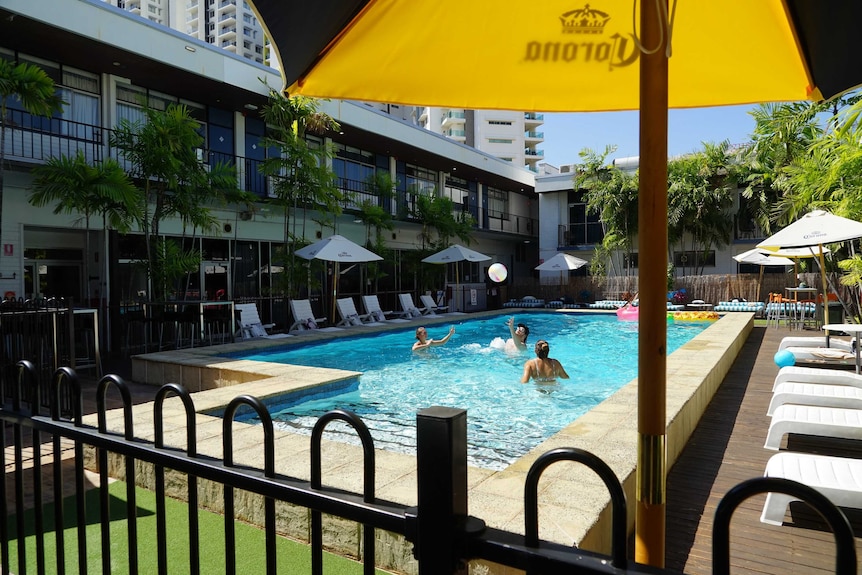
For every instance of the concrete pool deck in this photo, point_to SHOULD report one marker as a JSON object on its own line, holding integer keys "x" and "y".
{"x": 574, "y": 505}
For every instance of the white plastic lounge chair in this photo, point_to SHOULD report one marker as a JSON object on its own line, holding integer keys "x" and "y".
{"x": 822, "y": 394}
{"x": 349, "y": 315}
{"x": 250, "y": 324}
{"x": 820, "y": 375}
{"x": 432, "y": 306}
{"x": 304, "y": 319}
{"x": 815, "y": 341}
{"x": 409, "y": 308}
{"x": 372, "y": 308}
{"x": 813, "y": 420}
{"x": 838, "y": 478}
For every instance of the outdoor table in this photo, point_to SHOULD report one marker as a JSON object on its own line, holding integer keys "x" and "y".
{"x": 851, "y": 328}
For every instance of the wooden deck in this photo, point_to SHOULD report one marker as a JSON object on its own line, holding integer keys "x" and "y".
{"x": 726, "y": 449}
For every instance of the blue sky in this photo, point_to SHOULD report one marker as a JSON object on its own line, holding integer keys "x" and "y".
{"x": 567, "y": 134}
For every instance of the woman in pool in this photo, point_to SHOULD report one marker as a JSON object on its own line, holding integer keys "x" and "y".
{"x": 423, "y": 341}
{"x": 543, "y": 368}
{"x": 519, "y": 336}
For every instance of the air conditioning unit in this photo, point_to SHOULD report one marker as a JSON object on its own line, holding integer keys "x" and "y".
{"x": 246, "y": 216}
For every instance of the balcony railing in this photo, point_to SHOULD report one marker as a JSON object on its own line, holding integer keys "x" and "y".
{"x": 579, "y": 234}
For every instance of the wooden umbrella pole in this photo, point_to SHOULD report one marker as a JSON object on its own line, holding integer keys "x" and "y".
{"x": 652, "y": 284}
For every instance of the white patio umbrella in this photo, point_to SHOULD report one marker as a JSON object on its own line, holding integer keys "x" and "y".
{"x": 813, "y": 230}
{"x": 337, "y": 249}
{"x": 454, "y": 254}
{"x": 758, "y": 258}
{"x": 561, "y": 262}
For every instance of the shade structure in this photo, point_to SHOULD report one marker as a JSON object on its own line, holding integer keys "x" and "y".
{"x": 454, "y": 254}
{"x": 561, "y": 262}
{"x": 337, "y": 249}
{"x": 757, "y": 257}
{"x": 581, "y": 57}
{"x": 813, "y": 230}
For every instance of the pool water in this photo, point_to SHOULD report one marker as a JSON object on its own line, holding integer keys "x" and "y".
{"x": 505, "y": 418}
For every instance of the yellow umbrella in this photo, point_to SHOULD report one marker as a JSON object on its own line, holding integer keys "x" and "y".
{"x": 559, "y": 55}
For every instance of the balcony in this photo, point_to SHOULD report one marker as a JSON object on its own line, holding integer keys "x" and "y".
{"x": 453, "y": 119}
{"x": 579, "y": 235}
{"x": 533, "y": 120}
{"x": 534, "y": 136}
{"x": 459, "y": 135}
{"x": 32, "y": 140}
{"x": 227, "y": 33}
{"x": 533, "y": 153}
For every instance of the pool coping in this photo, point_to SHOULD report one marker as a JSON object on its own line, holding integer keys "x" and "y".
{"x": 574, "y": 505}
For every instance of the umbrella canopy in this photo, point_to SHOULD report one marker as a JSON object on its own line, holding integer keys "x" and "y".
{"x": 758, "y": 258}
{"x": 567, "y": 58}
{"x": 809, "y": 252}
{"x": 456, "y": 253}
{"x": 337, "y": 249}
{"x": 813, "y": 230}
{"x": 561, "y": 262}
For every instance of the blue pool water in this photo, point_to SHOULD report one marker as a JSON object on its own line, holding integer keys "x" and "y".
{"x": 505, "y": 418}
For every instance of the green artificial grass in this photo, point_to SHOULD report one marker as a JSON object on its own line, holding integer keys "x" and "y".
{"x": 292, "y": 557}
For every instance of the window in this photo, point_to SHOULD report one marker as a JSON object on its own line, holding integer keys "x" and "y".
{"x": 692, "y": 259}
{"x": 458, "y": 191}
{"x": 500, "y": 141}
{"x": 584, "y": 228}
{"x": 499, "y": 123}
{"x": 498, "y": 204}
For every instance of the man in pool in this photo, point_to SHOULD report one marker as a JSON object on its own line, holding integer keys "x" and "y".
{"x": 423, "y": 341}
{"x": 543, "y": 368}
{"x": 519, "y": 336}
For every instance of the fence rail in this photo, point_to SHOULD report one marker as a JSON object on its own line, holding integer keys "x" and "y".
{"x": 444, "y": 537}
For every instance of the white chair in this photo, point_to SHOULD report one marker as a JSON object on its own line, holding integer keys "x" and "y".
{"x": 822, "y": 394}
{"x": 432, "y": 306}
{"x": 820, "y": 375}
{"x": 838, "y": 478}
{"x": 349, "y": 315}
{"x": 304, "y": 319}
{"x": 409, "y": 308}
{"x": 372, "y": 308}
{"x": 813, "y": 420}
{"x": 250, "y": 323}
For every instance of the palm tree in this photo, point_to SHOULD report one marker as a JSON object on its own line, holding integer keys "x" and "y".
{"x": 75, "y": 185}
{"x": 34, "y": 89}
{"x": 300, "y": 173}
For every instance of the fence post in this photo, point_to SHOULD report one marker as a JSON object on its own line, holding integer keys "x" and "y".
{"x": 441, "y": 455}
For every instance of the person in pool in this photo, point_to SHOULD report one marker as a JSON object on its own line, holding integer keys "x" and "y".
{"x": 423, "y": 341}
{"x": 519, "y": 336}
{"x": 543, "y": 368}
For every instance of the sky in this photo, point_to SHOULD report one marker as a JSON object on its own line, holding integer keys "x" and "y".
{"x": 566, "y": 134}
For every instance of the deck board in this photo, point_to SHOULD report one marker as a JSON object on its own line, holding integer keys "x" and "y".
{"x": 726, "y": 449}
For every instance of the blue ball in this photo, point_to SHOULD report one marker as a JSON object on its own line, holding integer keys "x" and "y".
{"x": 784, "y": 358}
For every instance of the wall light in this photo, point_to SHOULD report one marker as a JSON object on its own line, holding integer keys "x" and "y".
{"x": 190, "y": 49}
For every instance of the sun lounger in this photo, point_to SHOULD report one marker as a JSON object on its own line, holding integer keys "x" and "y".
{"x": 409, "y": 308}
{"x": 250, "y": 324}
{"x": 799, "y": 374}
{"x": 431, "y": 305}
{"x": 838, "y": 478}
{"x": 815, "y": 342}
{"x": 372, "y": 307}
{"x": 304, "y": 319}
{"x": 821, "y": 394}
{"x": 813, "y": 420}
{"x": 349, "y": 315}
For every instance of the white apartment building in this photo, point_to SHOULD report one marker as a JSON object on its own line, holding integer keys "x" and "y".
{"x": 510, "y": 136}
{"x": 228, "y": 24}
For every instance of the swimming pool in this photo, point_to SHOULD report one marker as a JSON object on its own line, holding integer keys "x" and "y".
{"x": 505, "y": 418}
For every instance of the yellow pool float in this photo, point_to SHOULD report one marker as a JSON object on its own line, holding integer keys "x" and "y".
{"x": 693, "y": 315}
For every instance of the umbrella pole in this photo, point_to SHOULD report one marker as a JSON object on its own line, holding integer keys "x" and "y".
{"x": 823, "y": 282}
{"x": 759, "y": 282}
{"x": 652, "y": 280}
{"x": 332, "y": 319}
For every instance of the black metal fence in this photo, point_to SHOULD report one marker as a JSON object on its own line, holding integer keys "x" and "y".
{"x": 444, "y": 537}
